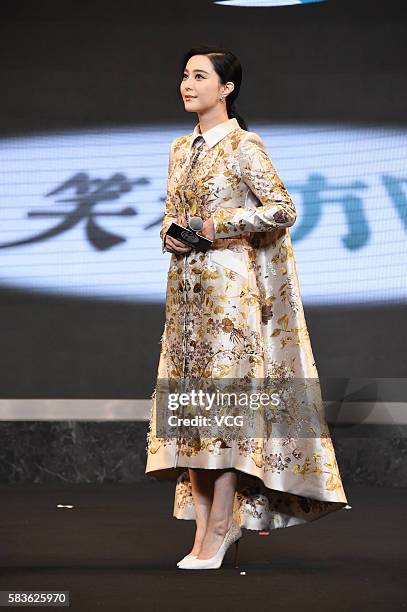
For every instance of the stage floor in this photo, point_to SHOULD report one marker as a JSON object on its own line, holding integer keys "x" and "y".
{"x": 117, "y": 549}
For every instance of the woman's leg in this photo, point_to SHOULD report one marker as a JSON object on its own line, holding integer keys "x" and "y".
{"x": 220, "y": 517}
{"x": 202, "y": 481}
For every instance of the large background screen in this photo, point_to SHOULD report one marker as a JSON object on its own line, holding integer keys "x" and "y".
{"x": 80, "y": 212}
{"x": 90, "y": 103}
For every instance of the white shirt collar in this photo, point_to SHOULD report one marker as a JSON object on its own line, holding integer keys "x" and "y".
{"x": 216, "y": 133}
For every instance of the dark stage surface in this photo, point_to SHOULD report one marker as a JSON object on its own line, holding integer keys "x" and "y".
{"x": 118, "y": 548}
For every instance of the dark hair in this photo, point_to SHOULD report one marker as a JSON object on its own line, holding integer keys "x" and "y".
{"x": 228, "y": 67}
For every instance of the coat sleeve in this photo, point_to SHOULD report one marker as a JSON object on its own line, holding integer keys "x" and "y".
{"x": 276, "y": 207}
{"x": 170, "y": 213}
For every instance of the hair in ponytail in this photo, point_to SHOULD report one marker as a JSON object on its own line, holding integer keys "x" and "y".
{"x": 228, "y": 68}
{"x": 232, "y": 112}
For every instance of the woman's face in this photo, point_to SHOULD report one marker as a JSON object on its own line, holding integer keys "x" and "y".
{"x": 201, "y": 82}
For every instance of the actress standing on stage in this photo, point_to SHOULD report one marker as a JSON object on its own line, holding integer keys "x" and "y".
{"x": 235, "y": 311}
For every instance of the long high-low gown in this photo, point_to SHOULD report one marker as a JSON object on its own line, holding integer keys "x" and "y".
{"x": 235, "y": 312}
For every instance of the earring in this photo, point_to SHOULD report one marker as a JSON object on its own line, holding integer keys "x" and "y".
{"x": 221, "y": 98}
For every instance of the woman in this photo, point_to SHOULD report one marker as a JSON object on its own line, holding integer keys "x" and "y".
{"x": 234, "y": 312}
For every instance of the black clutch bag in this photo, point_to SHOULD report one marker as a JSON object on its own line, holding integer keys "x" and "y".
{"x": 189, "y": 237}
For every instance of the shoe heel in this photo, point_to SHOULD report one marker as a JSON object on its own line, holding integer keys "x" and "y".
{"x": 236, "y": 563}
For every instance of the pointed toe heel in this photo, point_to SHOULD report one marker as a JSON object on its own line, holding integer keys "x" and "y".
{"x": 185, "y": 560}
{"x": 233, "y": 535}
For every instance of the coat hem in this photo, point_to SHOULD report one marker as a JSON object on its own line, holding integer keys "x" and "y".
{"x": 173, "y": 473}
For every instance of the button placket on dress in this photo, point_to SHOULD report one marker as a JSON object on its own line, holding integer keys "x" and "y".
{"x": 198, "y": 149}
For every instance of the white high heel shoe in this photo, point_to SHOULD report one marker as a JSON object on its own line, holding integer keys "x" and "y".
{"x": 186, "y": 559}
{"x": 233, "y": 535}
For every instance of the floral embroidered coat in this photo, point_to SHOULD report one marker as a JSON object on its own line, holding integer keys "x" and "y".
{"x": 236, "y": 312}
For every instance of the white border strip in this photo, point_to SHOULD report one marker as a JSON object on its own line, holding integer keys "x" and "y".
{"x": 364, "y": 413}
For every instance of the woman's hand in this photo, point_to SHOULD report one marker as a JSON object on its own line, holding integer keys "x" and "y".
{"x": 208, "y": 229}
{"x": 176, "y": 246}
